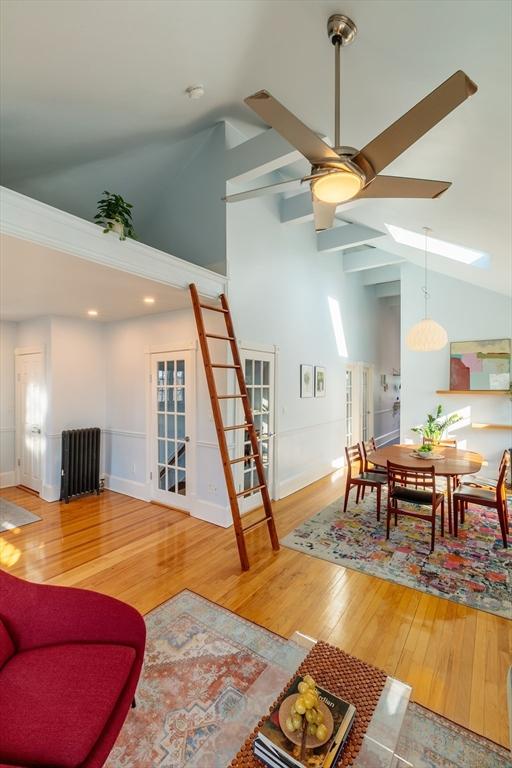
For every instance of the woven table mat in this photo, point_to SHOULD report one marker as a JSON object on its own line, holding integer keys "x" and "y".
{"x": 345, "y": 676}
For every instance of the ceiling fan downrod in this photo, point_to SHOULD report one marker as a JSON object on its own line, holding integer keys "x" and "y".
{"x": 341, "y": 31}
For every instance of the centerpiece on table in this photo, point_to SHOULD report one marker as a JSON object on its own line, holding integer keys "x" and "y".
{"x": 308, "y": 729}
{"x": 433, "y": 430}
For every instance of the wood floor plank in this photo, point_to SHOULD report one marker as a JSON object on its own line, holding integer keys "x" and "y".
{"x": 454, "y": 657}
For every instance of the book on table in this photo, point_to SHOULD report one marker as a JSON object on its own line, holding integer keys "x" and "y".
{"x": 272, "y": 746}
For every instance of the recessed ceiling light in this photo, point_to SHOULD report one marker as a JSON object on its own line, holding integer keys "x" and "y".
{"x": 149, "y": 300}
{"x": 92, "y": 312}
{"x": 439, "y": 247}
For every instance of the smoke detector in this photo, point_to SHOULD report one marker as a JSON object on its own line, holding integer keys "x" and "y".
{"x": 195, "y": 91}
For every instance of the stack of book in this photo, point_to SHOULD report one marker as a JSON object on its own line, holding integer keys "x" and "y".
{"x": 275, "y": 749}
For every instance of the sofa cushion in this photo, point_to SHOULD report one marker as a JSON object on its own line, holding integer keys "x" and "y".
{"x": 55, "y": 701}
{"x": 6, "y": 644}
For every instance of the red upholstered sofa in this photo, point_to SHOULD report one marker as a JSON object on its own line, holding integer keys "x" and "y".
{"x": 70, "y": 661}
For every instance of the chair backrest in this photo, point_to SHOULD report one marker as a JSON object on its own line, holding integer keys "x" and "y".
{"x": 404, "y": 476}
{"x": 353, "y": 454}
{"x": 368, "y": 446}
{"x": 501, "y": 491}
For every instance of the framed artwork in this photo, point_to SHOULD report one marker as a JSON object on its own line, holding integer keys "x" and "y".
{"x": 480, "y": 364}
{"x": 307, "y": 385}
{"x": 319, "y": 381}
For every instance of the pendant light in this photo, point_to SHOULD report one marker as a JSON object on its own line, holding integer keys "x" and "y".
{"x": 427, "y": 335}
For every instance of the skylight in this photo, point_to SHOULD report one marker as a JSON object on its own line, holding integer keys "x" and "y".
{"x": 440, "y": 247}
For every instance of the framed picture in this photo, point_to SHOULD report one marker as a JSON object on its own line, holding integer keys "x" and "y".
{"x": 480, "y": 364}
{"x": 307, "y": 385}
{"x": 319, "y": 381}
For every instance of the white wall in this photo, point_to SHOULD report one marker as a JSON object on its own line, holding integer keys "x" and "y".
{"x": 7, "y": 413}
{"x": 386, "y": 421}
{"x": 467, "y": 312}
{"x": 127, "y": 347}
{"x": 279, "y": 292}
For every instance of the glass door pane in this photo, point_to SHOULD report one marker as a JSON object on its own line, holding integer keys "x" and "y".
{"x": 171, "y": 440}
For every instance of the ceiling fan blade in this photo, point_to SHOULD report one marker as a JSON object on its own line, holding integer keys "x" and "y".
{"x": 291, "y": 128}
{"x": 382, "y": 150}
{"x": 280, "y": 186}
{"x": 397, "y": 186}
{"x": 323, "y": 214}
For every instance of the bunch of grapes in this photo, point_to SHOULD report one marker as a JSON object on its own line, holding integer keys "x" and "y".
{"x": 305, "y": 712}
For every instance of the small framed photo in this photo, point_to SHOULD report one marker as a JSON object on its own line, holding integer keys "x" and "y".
{"x": 319, "y": 381}
{"x": 307, "y": 385}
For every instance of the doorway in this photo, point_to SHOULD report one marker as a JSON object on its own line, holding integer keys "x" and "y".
{"x": 358, "y": 402}
{"x": 30, "y": 409}
{"x": 259, "y": 370}
{"x": 172, "y": 433}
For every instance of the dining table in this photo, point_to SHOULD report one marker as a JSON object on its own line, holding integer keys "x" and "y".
{"x": 450, "y": 463}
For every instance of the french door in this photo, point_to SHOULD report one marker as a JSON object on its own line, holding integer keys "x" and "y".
{"x": 358, "y": 402}
{"x": 30, "y": 412}
{"x": 259, "y": 378}
{"x": 172, "y": 435}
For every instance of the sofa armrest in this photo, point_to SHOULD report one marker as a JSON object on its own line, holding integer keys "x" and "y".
{"x": 43, "y": 614}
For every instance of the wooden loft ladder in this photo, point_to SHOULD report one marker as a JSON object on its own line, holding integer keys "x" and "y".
{"x": 221, "y": 429}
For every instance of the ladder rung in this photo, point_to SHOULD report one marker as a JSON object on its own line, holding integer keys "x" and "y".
{"x": 254, "y": 525}
{"x": 214, "y": 309}
{"x": 250, "y": 490}
{"x": 223, "y": 365}
{"x": 230, "y": 397}
{"x": 219, "y": 336}
{"x": 237, "y": 426}
{"x": 244, "y": 458}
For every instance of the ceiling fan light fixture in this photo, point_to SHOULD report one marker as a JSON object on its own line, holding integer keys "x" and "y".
{"x": 338, "y": 186}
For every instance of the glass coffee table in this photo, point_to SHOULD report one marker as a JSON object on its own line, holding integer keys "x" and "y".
{"x": 380, "y": 742}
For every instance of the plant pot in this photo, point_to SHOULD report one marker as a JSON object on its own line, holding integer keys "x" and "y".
{"x": 117, "y": 227}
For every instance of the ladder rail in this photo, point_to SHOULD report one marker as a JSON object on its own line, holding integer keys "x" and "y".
{"x": 221, "y": 430}
{"x": 221, "y": 436}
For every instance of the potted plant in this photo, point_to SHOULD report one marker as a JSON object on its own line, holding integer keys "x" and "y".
{"x": 115, "y": 215}
{"x": 436, "y": 425}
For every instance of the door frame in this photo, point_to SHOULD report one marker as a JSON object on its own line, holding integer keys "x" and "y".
{"x": 20, "y": 352}
{"x": 357, "y": 368}
{"x": 269, "y": 349}
{"x": 162, "y": 349}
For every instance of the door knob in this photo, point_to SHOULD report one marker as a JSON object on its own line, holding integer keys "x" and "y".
{"x": 187, "y": 439}
{"x": 36, "y": 430}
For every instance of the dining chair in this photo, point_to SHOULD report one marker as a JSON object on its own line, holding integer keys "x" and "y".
{"x": 368, "y": 446}
{"x": 400, "y": 480}
{"x": 493, "y": 498}
{"x": 362, "y": 479}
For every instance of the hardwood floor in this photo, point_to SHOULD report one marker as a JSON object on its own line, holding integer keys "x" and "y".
{"x": 455, "y": 658}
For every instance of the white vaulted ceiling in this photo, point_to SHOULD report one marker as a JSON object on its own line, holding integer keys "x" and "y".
{"x": 86, "y": 79}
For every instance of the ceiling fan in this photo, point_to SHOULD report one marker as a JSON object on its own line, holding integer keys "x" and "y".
{"x": 339, "y": 174}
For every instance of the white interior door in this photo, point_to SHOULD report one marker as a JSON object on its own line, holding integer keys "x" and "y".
{"x": 350, "y": 432}
{"x": 366, "y": 383}
{"x": 173, "y": 428}
{"x": 259, "y": 369}
{"x": 30, "y": 408}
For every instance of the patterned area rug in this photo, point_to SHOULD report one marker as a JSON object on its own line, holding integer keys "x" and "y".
{"x": 200, "y": 661}
{"x": 13, "y": 516}
{"x": 473, "y": 569}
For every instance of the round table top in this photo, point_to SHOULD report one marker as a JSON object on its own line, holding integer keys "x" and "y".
{"x": 455, "y": 461}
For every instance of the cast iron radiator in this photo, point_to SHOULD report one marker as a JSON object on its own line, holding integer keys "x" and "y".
{"x": 80, "y": 471}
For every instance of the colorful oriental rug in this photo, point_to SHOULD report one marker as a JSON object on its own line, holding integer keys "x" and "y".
{"x": 200, "y": 661}
{"x": 473, "y": 569}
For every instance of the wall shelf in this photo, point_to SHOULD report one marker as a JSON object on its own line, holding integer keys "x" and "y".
{"x": 492, "y": 426}
{"x": 499, "y": 392}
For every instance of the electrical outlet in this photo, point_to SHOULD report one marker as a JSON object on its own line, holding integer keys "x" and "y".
{"x": 212, "y": 489}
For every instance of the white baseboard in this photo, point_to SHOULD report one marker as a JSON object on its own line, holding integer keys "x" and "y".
{"x": 211, "y": 513}
{"x": 7, "y": 479}
{"x": 127, "y": 487}
{"x": 308, "y": 476}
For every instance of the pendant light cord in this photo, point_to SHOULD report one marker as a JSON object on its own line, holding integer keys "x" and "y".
{"x": 425, "y": 287}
